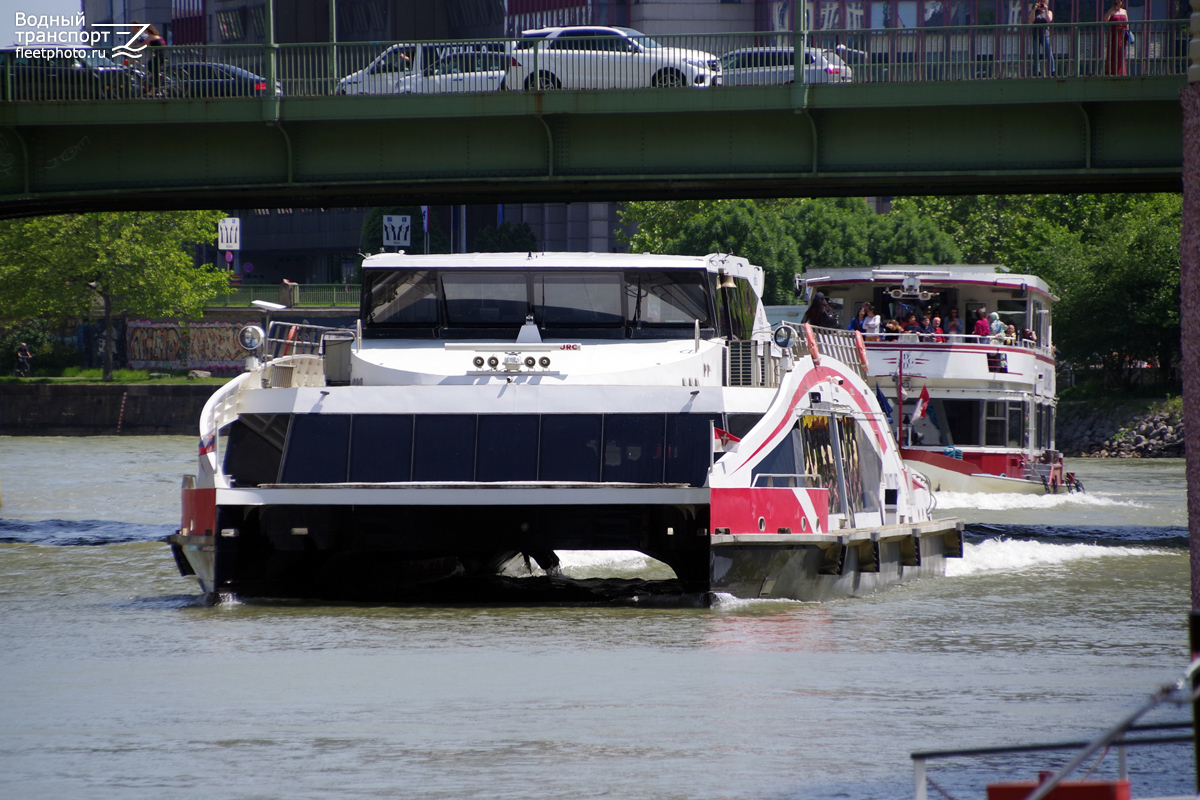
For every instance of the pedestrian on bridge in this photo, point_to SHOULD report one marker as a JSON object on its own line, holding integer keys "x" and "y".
{"x": 1042, "y": 16}
{"x": 1118, "y": 36}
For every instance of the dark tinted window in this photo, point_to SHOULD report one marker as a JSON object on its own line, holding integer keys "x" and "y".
{"x": 444, "y": 447}
{"x": 579, "y": 298}
{"x": 633, "y": 448}
{"x": 381, "y": 447}
{"x": 507, "y": 448}
{"x": 485, "y": 298}
{"x": 255, "y": 448}
{"x": 400, "y": 297}
{"x": 689, "y": 447}
{"x": 570, "y": 448}
{"x": 962, "y": 418}
{"x": 317, "y": 448}
{"x": 740, "y": 424}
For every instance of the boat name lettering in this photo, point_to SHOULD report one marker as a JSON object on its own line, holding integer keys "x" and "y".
{"x": 569, "y": 347}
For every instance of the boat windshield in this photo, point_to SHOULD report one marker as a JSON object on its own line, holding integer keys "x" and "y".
{"x": 595, "y": 303}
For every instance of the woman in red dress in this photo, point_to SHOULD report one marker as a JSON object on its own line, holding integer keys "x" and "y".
{"x": 1114, "y": 62}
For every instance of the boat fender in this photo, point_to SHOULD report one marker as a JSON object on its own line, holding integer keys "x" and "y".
{"x": 810, "y": 339}
{"x": 861, "y": 344}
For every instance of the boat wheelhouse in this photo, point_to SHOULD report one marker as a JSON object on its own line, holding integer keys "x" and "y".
{"x": 972, "y": 413}
{"x": 489, "y": 407}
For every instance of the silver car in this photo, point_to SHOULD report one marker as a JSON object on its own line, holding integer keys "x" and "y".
{"x": 431, "y": 69}
{"x": 763, "y": 66}
{"x": 600, "y": 57}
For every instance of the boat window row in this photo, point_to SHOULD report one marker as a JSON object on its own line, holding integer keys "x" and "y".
{"x": 592, "y": 303}
{"x": 976, "y": 423}
{"x": 838, "y": 456}
{"x": 380, "y": 448}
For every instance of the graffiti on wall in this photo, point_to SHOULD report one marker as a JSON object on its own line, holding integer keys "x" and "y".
{"x": 191, "y": 345}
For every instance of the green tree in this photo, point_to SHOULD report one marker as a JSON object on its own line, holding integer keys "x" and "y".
{"x": 139, "y": 262}
{"x": 508, "y": 238}
{"x": 745, "y": 228}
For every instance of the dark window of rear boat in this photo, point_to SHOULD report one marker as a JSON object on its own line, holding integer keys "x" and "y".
{"x": 653, "y": 304}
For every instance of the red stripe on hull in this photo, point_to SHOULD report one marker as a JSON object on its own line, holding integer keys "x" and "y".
{"x": 739, "y": 510}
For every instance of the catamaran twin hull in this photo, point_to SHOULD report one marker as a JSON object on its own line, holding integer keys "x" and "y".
{"x": 454, "y": 458}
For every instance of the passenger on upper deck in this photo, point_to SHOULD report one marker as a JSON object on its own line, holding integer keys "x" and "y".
{"x": 982, "y": 329}
{"x": 954, "y": 324}
{"x": 819, "y": 313}
{"x": 1010, "y": 334}
{"x": 1029, "y": 337}
{"x": 859, "y": 321}
{"x": 910, "y": 323}
{"x": 891, "y": 331}
{"x": 996, "y": 327}
{"x": 937, "y": 330}
{"x": 871, "y": 323}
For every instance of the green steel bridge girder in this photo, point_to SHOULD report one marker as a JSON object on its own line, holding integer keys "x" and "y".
{"x": 1081, "y": 134}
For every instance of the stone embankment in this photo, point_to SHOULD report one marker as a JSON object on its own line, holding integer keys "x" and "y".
{"x": 1146, "y": 430}
{"x": 102, "y": 410}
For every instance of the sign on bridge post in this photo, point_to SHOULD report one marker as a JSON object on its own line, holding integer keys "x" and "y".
{"x": 229, "y": 234}
{"x": 397, "y": 230}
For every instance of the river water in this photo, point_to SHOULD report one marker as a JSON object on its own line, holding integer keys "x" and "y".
{"x": 1066, "y": 612}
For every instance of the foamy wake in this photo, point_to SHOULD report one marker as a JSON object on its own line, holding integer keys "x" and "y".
{"x": 1010, "y": 555}
{"x": 984, "y": 501}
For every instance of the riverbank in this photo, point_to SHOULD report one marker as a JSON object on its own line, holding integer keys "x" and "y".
{"x": 1136, "y": 429}
{"x": 69, "y": 409}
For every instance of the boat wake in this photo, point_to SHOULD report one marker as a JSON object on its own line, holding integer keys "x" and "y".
{"x": 76, "y": 532}
{"x": 1011, "y": 555}
{"x": 984, "y": 501}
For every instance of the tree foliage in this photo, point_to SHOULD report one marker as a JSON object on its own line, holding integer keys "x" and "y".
{"x": 508, "y": 238}
{"x": 786, "y": 237}
{"x": 137, "y": 262}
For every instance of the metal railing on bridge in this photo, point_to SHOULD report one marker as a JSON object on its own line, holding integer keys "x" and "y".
{"x": 703, "y": 62}
{"x": 319, "y": 294}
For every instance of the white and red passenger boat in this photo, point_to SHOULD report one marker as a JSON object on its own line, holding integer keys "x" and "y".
{"x": 973, "y": 414}
{"x": 490, "y": 407}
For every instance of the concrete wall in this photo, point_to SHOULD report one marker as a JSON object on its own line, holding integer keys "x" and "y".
{"x": 95, "y": 410}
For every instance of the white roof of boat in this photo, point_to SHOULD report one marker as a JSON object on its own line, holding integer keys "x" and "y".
{"x": 524, "y": 260}
{"x": 989, "y": 274}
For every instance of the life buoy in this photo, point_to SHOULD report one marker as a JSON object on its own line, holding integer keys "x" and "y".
{"x": 810, "y": 339}
{"x": 291, "y": 339}
{"x": 861, "y": 344}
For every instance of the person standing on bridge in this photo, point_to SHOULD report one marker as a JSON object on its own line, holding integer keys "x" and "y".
{"x": 1042, "y": 16}
{"x": 1118, "y": 35}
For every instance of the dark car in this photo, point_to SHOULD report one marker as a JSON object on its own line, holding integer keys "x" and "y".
{"x": 206, "y": 79}
{"x": 46, "y": 74}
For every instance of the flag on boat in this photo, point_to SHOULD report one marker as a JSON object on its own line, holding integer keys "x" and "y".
{"x": 724, "y": 441}
{"x": 883, "y": 401}
{"x": 208, "y": 444}
{"x": 922, "y": 403}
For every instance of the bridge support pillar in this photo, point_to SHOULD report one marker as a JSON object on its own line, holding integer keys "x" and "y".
{"x": 1189, "y": 252}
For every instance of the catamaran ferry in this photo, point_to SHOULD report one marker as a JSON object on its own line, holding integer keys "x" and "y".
{"x": 973, "y": 413}
{"x": 492, "y": 410}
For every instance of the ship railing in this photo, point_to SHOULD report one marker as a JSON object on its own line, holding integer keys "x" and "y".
{"x": 952, "y": 338}
{"x": 775, "y": 480}
{"x": 839, "y": 344}
{"x": 1118, "y": 736}
{"x": 292, "y": 338}
{"x": 294, "y": 372}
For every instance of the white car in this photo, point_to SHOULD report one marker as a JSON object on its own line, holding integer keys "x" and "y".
{"x": 598, "y": 57}
{"x": 430, "y": 69}
{"x": 762, "y": 66}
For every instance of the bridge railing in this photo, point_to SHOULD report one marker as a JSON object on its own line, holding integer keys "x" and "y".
{"x": 707, "y": 62}
{"x": 320, "y": 294}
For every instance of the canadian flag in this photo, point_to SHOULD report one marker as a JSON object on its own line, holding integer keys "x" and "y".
{"x": 723, "y": 441}
{"x": 922, "y": 403}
